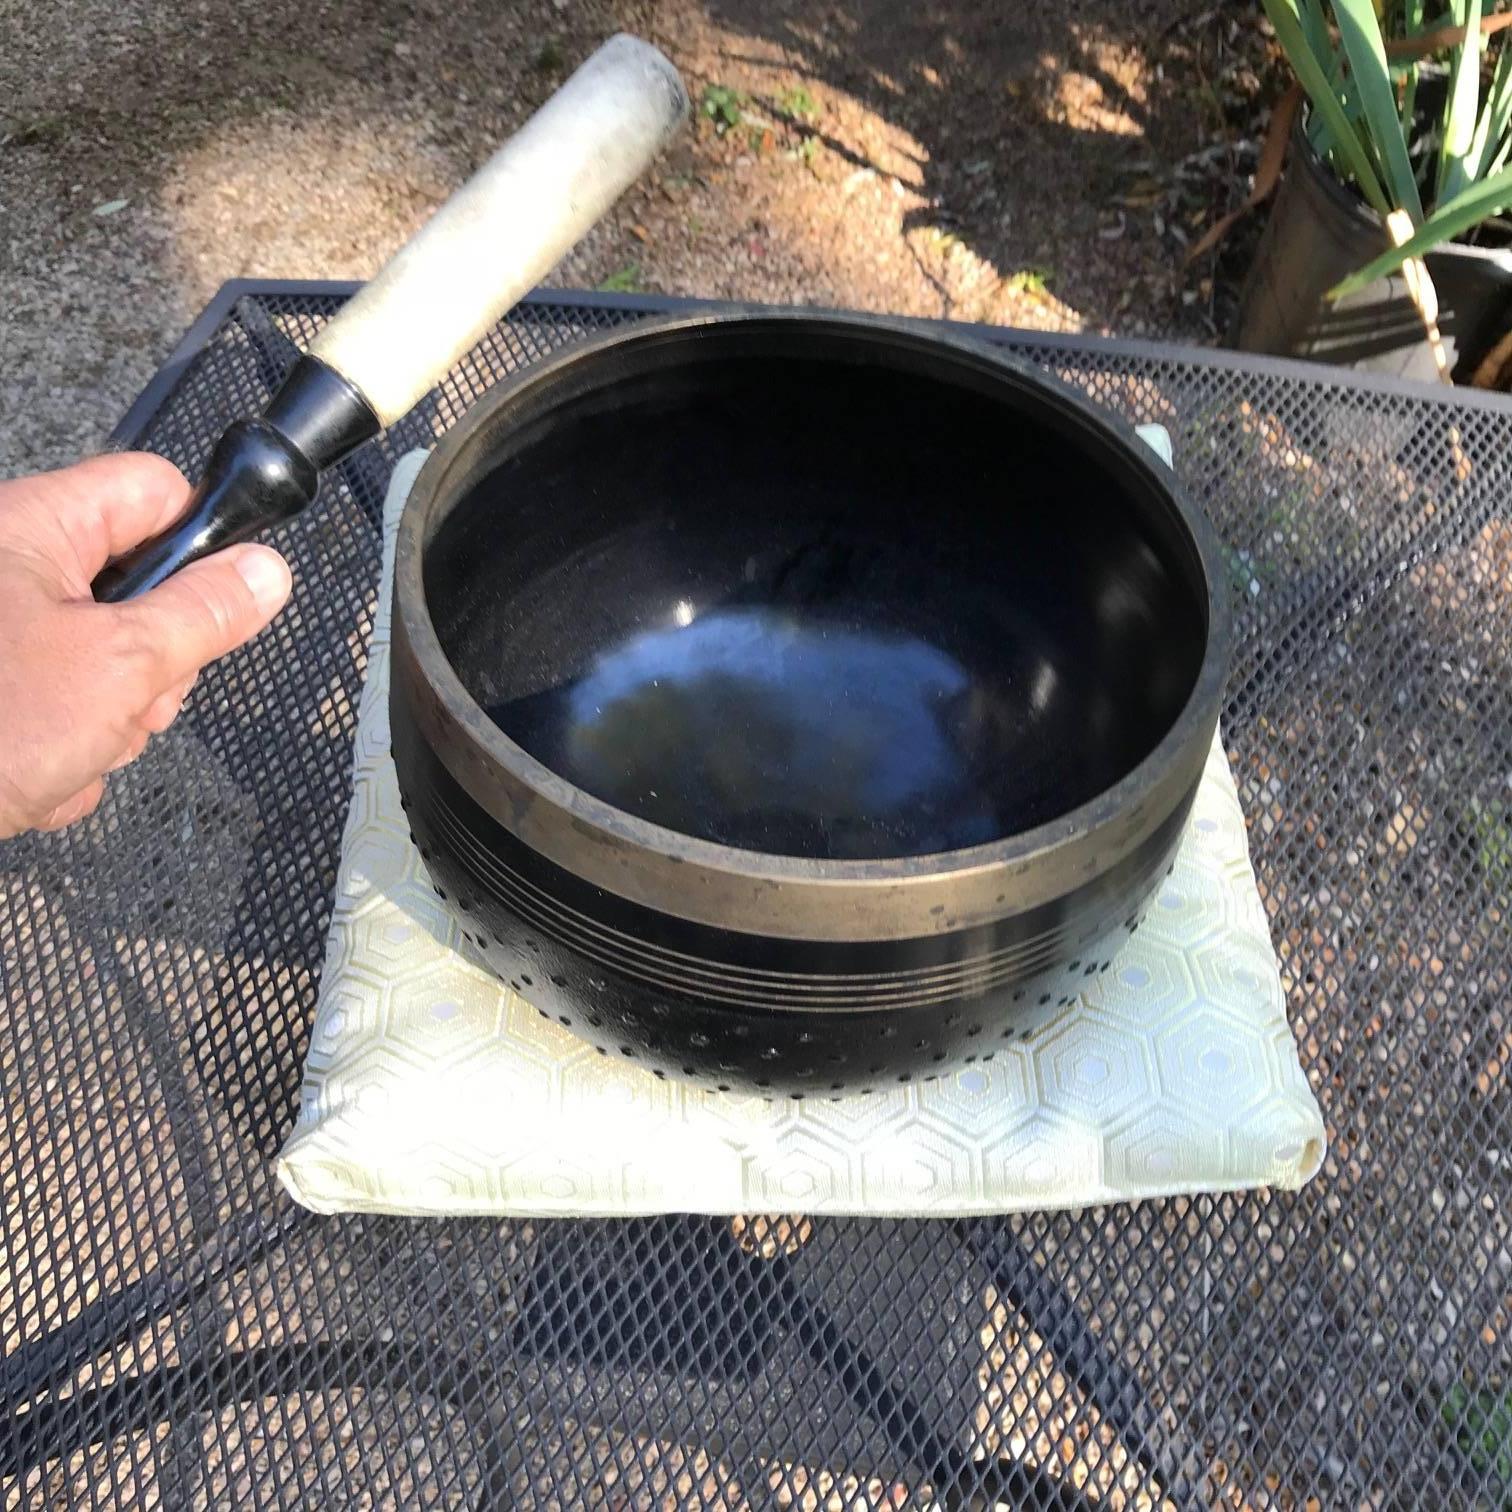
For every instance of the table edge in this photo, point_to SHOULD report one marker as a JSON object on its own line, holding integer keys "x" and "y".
{"x": 133, "y": 424}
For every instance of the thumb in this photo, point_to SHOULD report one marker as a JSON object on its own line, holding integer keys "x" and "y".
{"x": 210, "y": 607}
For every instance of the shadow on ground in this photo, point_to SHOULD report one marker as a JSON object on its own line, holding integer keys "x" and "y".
{"x": 955, "y": 160}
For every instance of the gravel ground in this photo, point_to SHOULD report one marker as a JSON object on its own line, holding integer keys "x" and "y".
{"x": 955, "y": 160}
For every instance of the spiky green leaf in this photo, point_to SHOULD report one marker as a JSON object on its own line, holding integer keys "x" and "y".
{"x": 1469, "y": 209}
{"x": 1495, "y": 118}
{"x": 1412, "y": 21}
{"x": 1460, "y": 105}
{"x": 1312, "y": 71}
{"x": 1360, "y": 33}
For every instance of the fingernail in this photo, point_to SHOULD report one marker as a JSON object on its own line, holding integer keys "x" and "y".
{"x": 266, "y": 577}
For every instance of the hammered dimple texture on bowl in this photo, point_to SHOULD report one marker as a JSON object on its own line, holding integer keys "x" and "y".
{"x": 776, "y": 1032}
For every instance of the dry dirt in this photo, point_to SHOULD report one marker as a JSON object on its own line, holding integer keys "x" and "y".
{"x": 980, "y": 162}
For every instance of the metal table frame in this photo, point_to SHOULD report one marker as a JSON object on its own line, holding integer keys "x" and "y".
{"x": 42, "y": 1426}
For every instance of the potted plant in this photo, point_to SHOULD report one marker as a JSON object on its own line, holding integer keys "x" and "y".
{"x": 1401, "y": 153}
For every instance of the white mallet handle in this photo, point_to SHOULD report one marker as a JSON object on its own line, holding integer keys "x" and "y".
{"x": 508, "y": 226}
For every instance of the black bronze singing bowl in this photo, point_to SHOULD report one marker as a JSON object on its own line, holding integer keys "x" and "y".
{"x": 798, "y": 702}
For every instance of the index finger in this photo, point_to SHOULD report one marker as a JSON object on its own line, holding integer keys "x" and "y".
{"x": 79, "y": 517}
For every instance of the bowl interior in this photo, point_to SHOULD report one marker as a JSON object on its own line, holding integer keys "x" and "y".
{"x": 828, "y": 599}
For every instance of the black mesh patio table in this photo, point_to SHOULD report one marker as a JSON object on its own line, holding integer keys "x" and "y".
{"x": 177, "y": 1333}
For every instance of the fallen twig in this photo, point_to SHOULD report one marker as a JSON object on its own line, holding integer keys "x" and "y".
{"x": 1267, "y": 171}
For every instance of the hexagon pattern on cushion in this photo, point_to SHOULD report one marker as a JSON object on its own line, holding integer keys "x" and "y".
{"x": 429, "y": 1088}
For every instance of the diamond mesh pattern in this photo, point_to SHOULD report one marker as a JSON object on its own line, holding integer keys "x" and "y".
{"x": 176, "y": 1334}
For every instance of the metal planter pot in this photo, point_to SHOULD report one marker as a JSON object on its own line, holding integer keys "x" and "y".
{"x": 1317, "y": 233}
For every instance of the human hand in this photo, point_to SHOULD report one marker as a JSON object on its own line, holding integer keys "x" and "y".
{"x": 84, "y": 686}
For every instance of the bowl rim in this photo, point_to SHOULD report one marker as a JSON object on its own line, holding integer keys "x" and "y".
{"x": 759, "y": 892}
